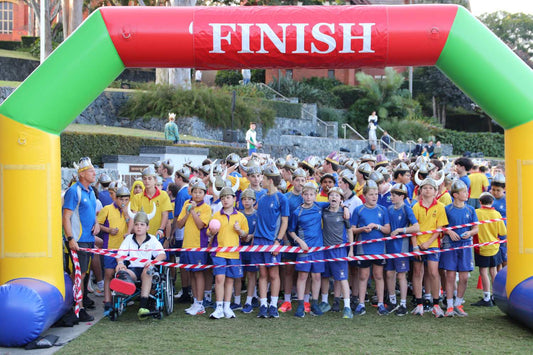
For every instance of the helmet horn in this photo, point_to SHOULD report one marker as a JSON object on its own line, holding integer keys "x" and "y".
{"x": 417, "y": 178}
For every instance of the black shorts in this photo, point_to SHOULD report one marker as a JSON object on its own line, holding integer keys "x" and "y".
{"x": 485, "y": 261}
{"x": 366, "y": 263}
{"x": 85, "y": 257}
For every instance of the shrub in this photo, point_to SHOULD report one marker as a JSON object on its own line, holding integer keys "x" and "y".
{"x": 228, "y": 77}
{"x": 221, "y": 152}
{"x": 9, "y": 45}
{"x": 347, "y": 94}
{"x": 406, "y": 130}
{"x": 286, "y": 109}
{"x": 491, "y": 144}
{"x": 325, "y": 84}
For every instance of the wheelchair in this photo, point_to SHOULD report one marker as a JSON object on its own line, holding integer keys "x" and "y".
{"x": 161, "y": 295}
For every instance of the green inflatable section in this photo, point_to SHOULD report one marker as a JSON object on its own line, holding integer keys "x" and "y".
{"x": 482, "y": 66}
{"x": 68, "y": 81}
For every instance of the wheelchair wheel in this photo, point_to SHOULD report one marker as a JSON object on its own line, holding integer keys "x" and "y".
{"x": 168, "y": 292}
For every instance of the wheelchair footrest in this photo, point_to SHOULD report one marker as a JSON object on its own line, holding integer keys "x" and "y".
{"x": 121, "y": 286}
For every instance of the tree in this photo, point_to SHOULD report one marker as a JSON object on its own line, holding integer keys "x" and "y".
{"x": 53, "y": 8}
{"x": 515, "y": 30}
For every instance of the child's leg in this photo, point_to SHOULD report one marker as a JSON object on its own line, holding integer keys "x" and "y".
{"x": 345, "y": 289}
{"x": 108, "y": 275}
{"x": 391, "y": 282}
{"x": 463, "y": 280}
{"x": 377, "y": 272}
{"x": 300, "y": 284}
{"x": 315, "y": 286}
{"x": 208, "y": 285}
{"x": 307, "y": 289}
{"x": 228, "y": 288}
{"x": 434, "y": 279}
{"x": 288, "y": 282}
{"x": 418, "y": 276}
{"x": 493, "y": 273}
{"x": 146, "y": 284}
{"x": 324, "y": 288}
{"x": 238, "y": 288}
{"x": 220, "y": 287}
{"x": 484, "y": 272}
{"x": 450, "y": 284}
{"x": 199, "y": 280}
{"x": 251, "y": 276}
{"x": 273, "y": 273}
{"x": 337, "y": 289}
{"x": 354, "y": 280}
{"x": 402, "y": 280}
{"x": 364, "y": 273}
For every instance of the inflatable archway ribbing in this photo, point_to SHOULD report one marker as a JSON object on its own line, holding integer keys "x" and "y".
{"x": 114, "y": 38}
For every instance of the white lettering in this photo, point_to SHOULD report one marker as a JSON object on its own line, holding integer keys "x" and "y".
{"x": 300, "y": 37}
{"x": 324, "y": 38}
{"x": 245, "y": 37}
{"x": 280, "y": 44}
{"x": 217, "y": 36}
{"x": 366, "y": 37}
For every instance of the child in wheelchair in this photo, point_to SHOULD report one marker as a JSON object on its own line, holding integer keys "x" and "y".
{"x": 134, "y": 245}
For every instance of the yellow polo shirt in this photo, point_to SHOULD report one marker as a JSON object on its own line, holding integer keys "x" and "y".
{"x": 192, "y": 236}
{"x": 489, "y": 232}
{"x": 430, "y": 218}
{"x": 161, "y": 201}
{"x": 227, "y": 236}
{"x": 111, "y": 216}
{"x": 445, "y": 198}
{"x": 478, "y": 183}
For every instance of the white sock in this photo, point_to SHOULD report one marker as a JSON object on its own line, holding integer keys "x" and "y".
{"x": 486, "y": 296}
{"x": 255, "y": 292}
{"x": 403, "y": 303}
{"x": 264, "y": 302}
{"x": 219, "y": 304}
{"x": 325, "y": 297}
{"x": 194, "y": 300}
{"x": 306, "y": 298}
{"x": 458, "y": 301}
{"x": 199, "y": 302}
{"x": 226, "y": 305}
{"x": 287, "y": 297}
{"x": 238, "y": 299}
{"x": 380, "y": 304}
{"x": 346, "y": 302}
{"x": 207, "y": 295}
{"x": 392, "y": 299}
{"x": 249, "y": 300}
{"x": 427, "y": 296}
{"x": 100, "y": 284}
{"x": 449, "y": 301}
{"x": 274, "y": 301}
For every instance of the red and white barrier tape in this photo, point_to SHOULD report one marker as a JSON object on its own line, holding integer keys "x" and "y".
{"x": 291, "y": 249}
{"x": 358, "y": 257}
{"x": 78, "y": 296}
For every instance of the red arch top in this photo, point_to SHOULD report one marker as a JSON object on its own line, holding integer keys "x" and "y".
{"x": 310, "y": 36}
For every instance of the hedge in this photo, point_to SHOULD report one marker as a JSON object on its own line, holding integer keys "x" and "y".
{"x": 286, "y": 109}
{"x": 9, "y": 45}
{"x": 491, "y": 144}
{"x": 76, "y": 145}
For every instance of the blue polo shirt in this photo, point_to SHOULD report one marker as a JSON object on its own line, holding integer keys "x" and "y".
{"x": 457, "y": 216}
{"x": 306, "y": 222}
{"x": 105, "y": 198}
{"x": 400, "y": 218}
{"x": 83, "y": 221}
{"x": 363, "y": 216}
{"x": 270, "y": 209}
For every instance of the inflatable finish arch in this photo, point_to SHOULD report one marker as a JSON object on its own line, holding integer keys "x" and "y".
{"x": 34, "y": 293}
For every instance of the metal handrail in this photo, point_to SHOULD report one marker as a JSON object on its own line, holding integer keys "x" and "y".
{"x": 344, "y": 125}
{"x": 382, "y": 130}
{"x": 303, "y": 109}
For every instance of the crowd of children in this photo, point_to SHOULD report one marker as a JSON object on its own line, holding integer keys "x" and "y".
{"x": 314, "y": 203}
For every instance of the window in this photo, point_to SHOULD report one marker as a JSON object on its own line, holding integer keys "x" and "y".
{"x": 331, "y": 74}
{"x": 6, "y": 17}
{"x": 288, "y": 74}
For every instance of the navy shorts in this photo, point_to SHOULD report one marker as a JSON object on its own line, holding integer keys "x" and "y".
{"x": 503, "y": 252}
{"x": 336, "y": 269}
{"x": 486, "y": 261}
{"x": 194, "y": 257}
{"x": 137, "y": 271}
{"x": 233, "y": 272}
{"x": 246, "y": 258}
{"x": 84, "y": 256}
{"x": 460, "y": 260}
{"x": 428, "y": 257}
{"x": 110, "y": 262}
{"x": 363, "y": 264}
{"x": 397, "y": 264}
{"x": 264, "y": 257}
{"x": 316, "y": 268}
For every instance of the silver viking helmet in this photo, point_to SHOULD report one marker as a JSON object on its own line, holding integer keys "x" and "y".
{"x": 399, "y": 189}
{"x": 141, "y": 216}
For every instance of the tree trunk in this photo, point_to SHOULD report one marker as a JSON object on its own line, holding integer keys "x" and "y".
{"x": 489, "y": 121}
{"x": 434, "y": 102}
{"x": 443, "y": 116}
{"x": 76, "y": 15}
{"x": 65, "y": 15}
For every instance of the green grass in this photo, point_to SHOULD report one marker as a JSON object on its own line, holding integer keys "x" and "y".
{"x": 17, "y": 54}
{"x": 12, "y": 84}
{"x": 143, "y": 133}
{"x": 484, "y": 330}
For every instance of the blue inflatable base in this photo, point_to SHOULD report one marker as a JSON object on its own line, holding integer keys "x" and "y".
{"x": 28, "y": 307}
{"x": 519, "y": 305}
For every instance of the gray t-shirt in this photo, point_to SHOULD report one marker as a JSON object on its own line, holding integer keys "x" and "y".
{"x": 334, "y": 226}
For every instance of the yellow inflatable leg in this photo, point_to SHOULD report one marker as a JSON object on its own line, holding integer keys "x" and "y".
{"x": 30, "y": 204}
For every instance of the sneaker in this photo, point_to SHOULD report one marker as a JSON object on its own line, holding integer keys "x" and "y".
{"x": 263, "y": 312}
{"x": 382, "y": 311}
{"x": 285, "y": 307}
{"x": 228, "y": 313}
{"x": 185, "y": 298}
{"x": 84, "y": 316}
{"x": 354, "y": 301}
{"x": 97, "y": 291}
{"x": 459, "y": 310}
{"x": 449, "y": 312}
{"x": 273, "y": 312}
{"x": 307, "y": 307}
{"x": 217, "y": 314}
{"x": 143, "y": 313}
{"x": 437, "y": 311}
{"x": 196, "y": 309}
{"x": 428, "y": 305}
{"x": 235, "y": 306}
{"x": 336, "y": 307}
{"x": 247, "y": 308}
{"x": 391, "y": 307}
{"x": 482, "y": 303}
{"x": 208, "y": 304}
{"x": 90, "y": 283}
{"x": 374, "y": 301}
{"x": 187, "y": 310}
{"x": 108, "y": 309}
{"x": 300, "y": 311}
{"x": 347, "y": 313}
{"x": 179, "y": 294}
{"x": 324, "y": 307}
{"x": 88, "y": 303}
{"x": 401, "y": 311}
{"x": 255, "y": 302}
{"x": 418, "y": 311}
{"x": 359, "y": 310}
{"x": 315, "y": 310}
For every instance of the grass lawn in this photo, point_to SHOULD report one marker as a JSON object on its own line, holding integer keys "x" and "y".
{"x": 143, "y": 133}
{"x": 17, "y": 54}
{"x": 485, "y": 330}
